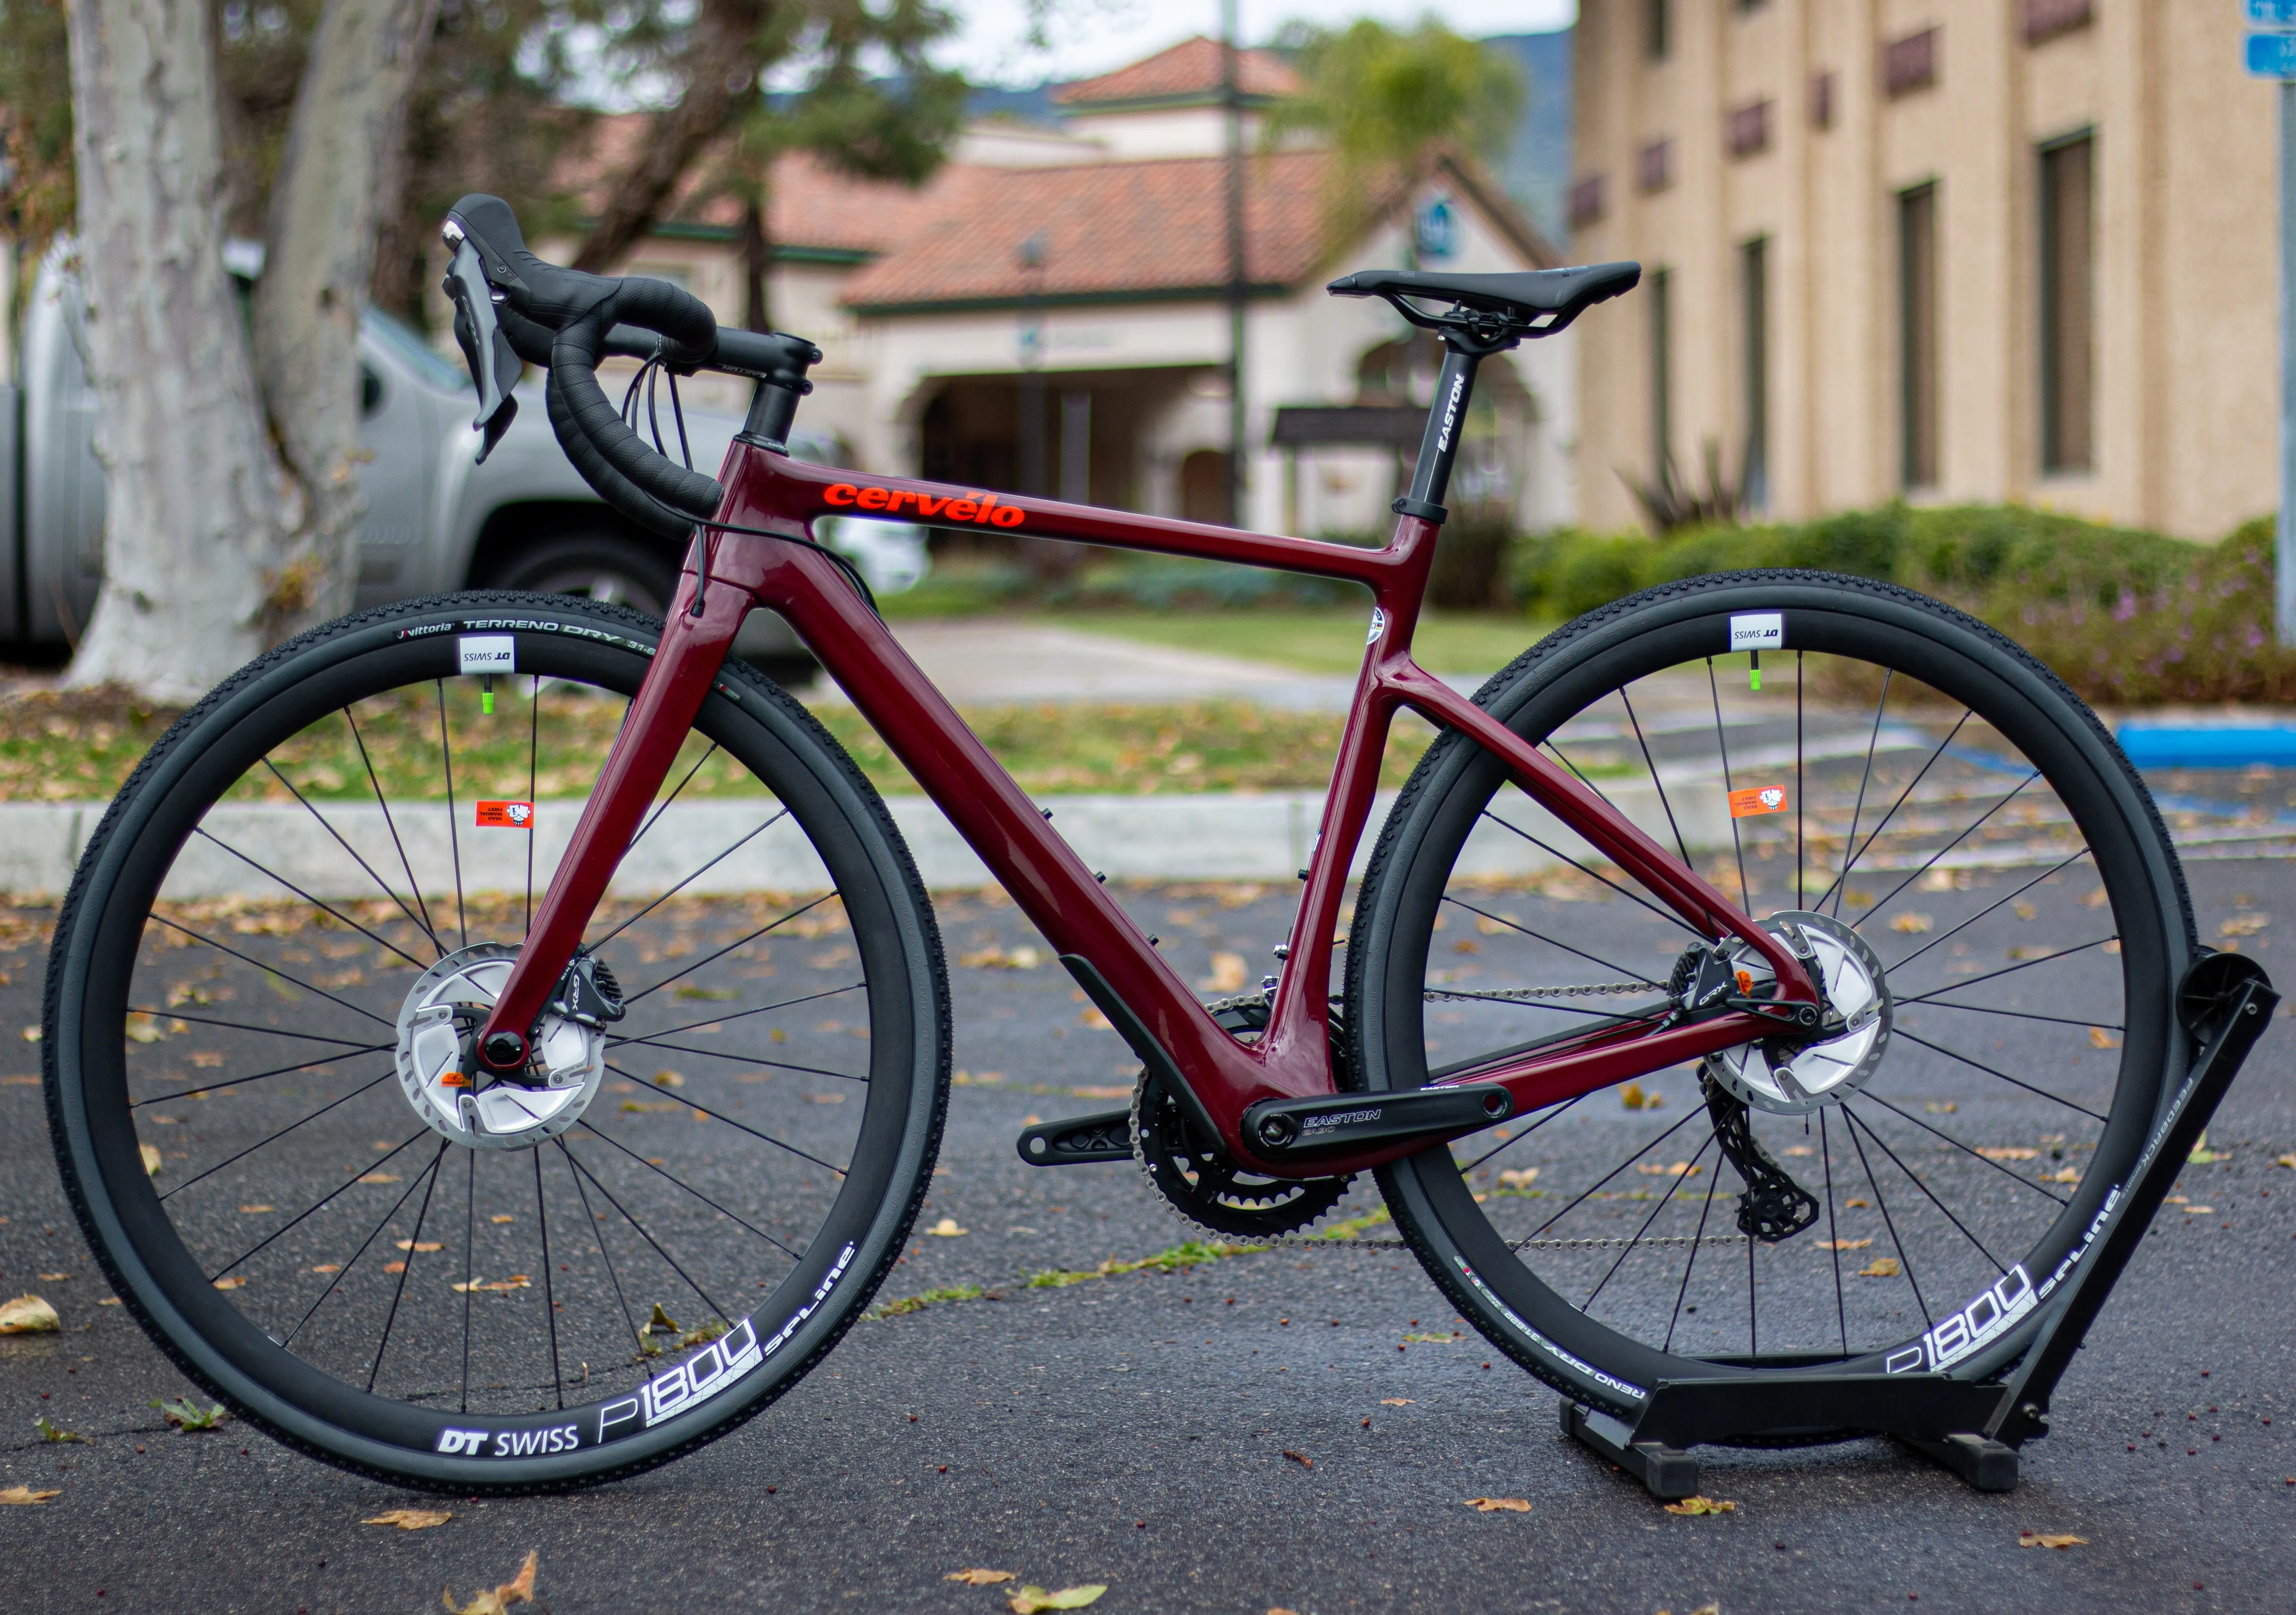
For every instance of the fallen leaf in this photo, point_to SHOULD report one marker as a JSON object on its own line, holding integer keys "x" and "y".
{"x": 2006, "y": 1152}
{"x": 519, "y": 1590}
{"x": 2244, "y": 925}
{"x": 1843, "y": 1244}
{"x": 411, "y": 1519}
{"x": 2286, "y": 1160}
{"x": 338, "y": 1267}
{"x": 1681, "y": 1168}
{"x": 947, "y": 1228}
{"x": 236, "y": 1282}
{"x": 1859, "y": 1205}
{"x": 1027, "y": 958}
{"x": 2200, "y": 1211}
{"x": 1703, "y": 1505}
{"x": 49, "y": 1432}
{"x": 1028, "y": 1601}
{"x": 1227, "y": 974}
{"x": 1494, "y": 1505}
{"x": 1107, "y": 1091}
{"x": 1302, "y": 1459}
{"x": 428, "y": 1244}
{"x": 184, "y": 1415}
{"x": 380, "y": 1177}
{"x": 387, "y": 1267}
{"x": 1436, "y": 1339}
{"x": 31, "y": 1033}
{"x": 1799, "y": 1149}
{"x": 516, "y": 1280}
{"x": 2099, "y": 1038}
{"x": 979, "y": 1578}
{"x": 1633, "y": 1097}
{"x": 1912, "y": 924}
{"x": 1881, "y": 1267}
{"x": 151, "y": 1155}
{"x": 502, "y": 1217}
{"x": 253, "y": 1210}
{"x": 2202, "y": 1156}
{"x": 2049, "y": 1540}
{"x": 58, "y": 1278}
{"x": 1395, "y": 1401}
{"x": 1935, "y": 1108}
{"x": 1519, "y": 1177}
{"x": 2070, "y": 1175}
{"x": 1092, "y": 1018}
{"x": 29, "y": 1314}
{"x": 25, "y": 1494}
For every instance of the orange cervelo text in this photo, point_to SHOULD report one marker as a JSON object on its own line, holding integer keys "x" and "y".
{"x": 971, "y": 507}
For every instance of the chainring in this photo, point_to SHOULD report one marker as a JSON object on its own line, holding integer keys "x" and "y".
{"x": 1202, "y": 1184}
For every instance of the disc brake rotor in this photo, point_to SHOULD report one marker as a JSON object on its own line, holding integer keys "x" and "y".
{"x": 1795, "y": 1077}
{"x": 454, "y": 1094}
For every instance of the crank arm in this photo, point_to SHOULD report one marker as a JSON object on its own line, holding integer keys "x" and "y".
{"x": 1078, "y": 1141}
{"x": 1412, "y": 1118}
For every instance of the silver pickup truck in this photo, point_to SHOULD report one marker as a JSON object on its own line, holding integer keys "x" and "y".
{"x": 435, "y": 521}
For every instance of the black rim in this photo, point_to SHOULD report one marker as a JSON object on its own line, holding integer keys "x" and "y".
{"x": 525, "y": 1323}
{"x": 1601, "y": 1245}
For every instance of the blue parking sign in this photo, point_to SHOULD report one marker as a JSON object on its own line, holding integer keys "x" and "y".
{"x": 2271, "y": 55}
{"x": 2272, "y": 13}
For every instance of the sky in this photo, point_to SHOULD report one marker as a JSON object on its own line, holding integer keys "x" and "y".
{"x": 1088, "y": 36}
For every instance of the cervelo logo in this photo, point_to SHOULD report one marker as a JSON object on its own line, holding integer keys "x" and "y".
{"x": 1450, "y": 413}
{"x": 970, "y": 507}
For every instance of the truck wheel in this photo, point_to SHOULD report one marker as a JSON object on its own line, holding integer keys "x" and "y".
{"x": 599, "y": 566}
{"x": 603, "y": 566}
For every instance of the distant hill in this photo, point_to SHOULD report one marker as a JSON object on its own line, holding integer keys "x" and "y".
{"x": 1535, "y": 168}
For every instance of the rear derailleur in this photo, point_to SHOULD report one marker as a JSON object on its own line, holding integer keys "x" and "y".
{"x": 1773, "y": 1207}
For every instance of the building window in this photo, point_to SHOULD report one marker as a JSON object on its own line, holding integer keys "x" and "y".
{"x": 1654, "y": 166}
{"x": 1748, "y": 128}
{"x": 1754, "y": 265}
{"x": 1821, "y": 101}
{"x": 1661, "y": 375}
{"x": 1917, "y": 337}
{"x": 1654, "y": 28}
{"x": 2044, "y": 19}
{"x": 2067, "y": 305}
{"x": 1587, "y": 201}
{"x": 1910, "y": 64}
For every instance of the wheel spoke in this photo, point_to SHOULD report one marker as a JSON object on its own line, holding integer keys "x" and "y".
{"x": 594, "y": 1218}
{"x": 1881, "y": 1204}
{"x": 1722, "y": 741}
{"x": 1864, "y": 779}
{"x": 1640, "y": 1150}
{"x": 275, "y": 1137}
{"x": 423, "y": 925}
{"x": 1979, "y": 1065}
{"x": 678, "y": 1183}
{"x": 454, "y": 846}
{"x": 1974, "y": 826}
{"x": 738, "y": 942}
{"x": 1988, "y": 909}
{"x": 599, "y": 1183}
{"x": 1841, "y": 881}
{"x": 1832, "y": 1230}
{"x": 1697, "y": 1243}
{"x": 327, "y": 909}
{"x": 315, "y": 1205}
{"x": 549, "y": 1289}
{"x": 740, "y": 1127}
{"x": 347, "y": 1046}
{"x": 1988, "y": 1160}
{"x": 413, "y": 886}
{"x": 743, "y": 841}
{"x": 1514, "y": 925}
{"x": 763, "y": 1009}
{"x": 1931, "y": 996}
{"x": 273, "y": 970}
{"x": 284, "y": 1070}
{"x": 343, "y": 1272}
{"x": 1669, "y": 915}
{"x": 1680, "y": 846}
{"x": 438, "y": 1166}
{"x": 1859, "y": 1122}
{"x": 1665, "y": 1199}
{"x": 685, "y": 1048}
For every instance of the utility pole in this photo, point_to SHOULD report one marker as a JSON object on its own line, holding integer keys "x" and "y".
{"x": 1231, "y": 98}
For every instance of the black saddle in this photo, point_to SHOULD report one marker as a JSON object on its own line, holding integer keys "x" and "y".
{"x": 1541, "y": 301}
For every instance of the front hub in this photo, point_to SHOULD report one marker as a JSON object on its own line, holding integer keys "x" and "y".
{"x": 451, "y": 1089}
{"x": 1794, "y": 1077}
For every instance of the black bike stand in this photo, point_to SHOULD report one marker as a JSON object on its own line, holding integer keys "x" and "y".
{"x": 1972, "y": 1427}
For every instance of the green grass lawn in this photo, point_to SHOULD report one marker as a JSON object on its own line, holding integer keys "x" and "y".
{"x": 1329, "y": 639}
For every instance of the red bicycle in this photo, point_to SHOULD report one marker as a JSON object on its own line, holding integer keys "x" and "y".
{"x": 352, "y": 1119}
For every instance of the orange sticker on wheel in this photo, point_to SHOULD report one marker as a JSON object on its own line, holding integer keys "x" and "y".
{"x": 1757, "y": 799}
{"x": 519, "y": 815}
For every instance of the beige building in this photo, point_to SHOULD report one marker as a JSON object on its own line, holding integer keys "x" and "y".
{"x": 1956, "y": 249}
{"x": 1050, "y": 313}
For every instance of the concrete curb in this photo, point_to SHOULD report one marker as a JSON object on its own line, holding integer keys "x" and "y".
{"x": 1209, "y": 836}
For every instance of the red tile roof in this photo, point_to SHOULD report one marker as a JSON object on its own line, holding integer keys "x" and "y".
{"x": 1110, "y": 228}
{"x": 1191, "y": 67}
{"x": 809, "y": 204}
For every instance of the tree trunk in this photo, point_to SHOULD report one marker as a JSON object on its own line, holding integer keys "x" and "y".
{"x": 721, "y": 63}
{"x": 757, "y": 264}
{"x": 196, "y": 502}
{"x": 336, "y": 182}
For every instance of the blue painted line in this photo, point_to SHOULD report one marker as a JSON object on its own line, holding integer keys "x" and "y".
{"x": 2185, "y": 746}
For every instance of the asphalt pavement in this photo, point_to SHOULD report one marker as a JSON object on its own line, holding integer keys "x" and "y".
{"x": 1250, "y": 1434}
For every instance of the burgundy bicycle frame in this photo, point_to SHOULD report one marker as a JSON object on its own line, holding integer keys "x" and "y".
{"x": 768, "y": 491}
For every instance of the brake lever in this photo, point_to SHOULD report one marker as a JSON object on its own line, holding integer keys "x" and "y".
{"x": 494, "y": 363}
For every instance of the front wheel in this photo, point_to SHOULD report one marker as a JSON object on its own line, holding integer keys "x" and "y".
{"x": 259, "y": 1004}
{"x": 1978, "y": 876}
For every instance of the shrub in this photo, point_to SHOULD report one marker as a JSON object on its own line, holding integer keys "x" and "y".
{"x": 2125, "y": 616}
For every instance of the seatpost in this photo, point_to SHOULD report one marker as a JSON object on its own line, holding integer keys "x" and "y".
{"x": 1455, "y": 384}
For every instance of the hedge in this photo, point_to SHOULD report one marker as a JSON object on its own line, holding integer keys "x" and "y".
{"x": 2126, "y": 617}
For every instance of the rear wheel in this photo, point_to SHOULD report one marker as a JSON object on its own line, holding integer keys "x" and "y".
{"x": 1986, "y": 888}
{"x": 310, "y": 891}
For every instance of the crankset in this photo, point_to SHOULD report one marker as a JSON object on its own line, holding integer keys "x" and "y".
{"x": 1773, "y": 1207}
{"x": 1207, "y": 1187}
